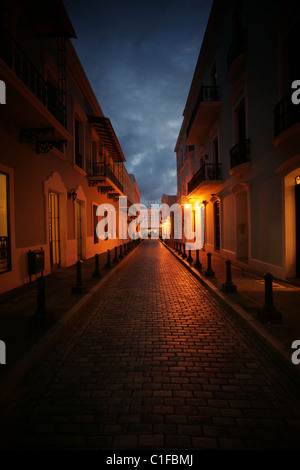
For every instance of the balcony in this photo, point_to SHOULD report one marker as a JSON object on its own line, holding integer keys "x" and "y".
{"x": 237, "y": 56}
{"x": 287, "y": 123}
{"x": 204, "y": 114}
{"x": 101, "y": 175}
{"x": 209, "y": 174}
{"x": 239, "y": 154}
{"x": 32, "y": 103}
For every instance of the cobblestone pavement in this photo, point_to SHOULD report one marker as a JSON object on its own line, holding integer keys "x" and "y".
{"x": 155, "y": 363}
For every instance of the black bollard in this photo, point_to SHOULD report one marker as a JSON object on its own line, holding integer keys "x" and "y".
{"x": 40, "y": 315}
{"x": 96, "y": 273}
{"x": 121, "y": 253}
{"x": 209, "y": 272}
{"x": 78, "y": 288}
{"x": 184, "y": 255}
{"x": 269, "y": 313}
{"x": 108, "y": 264}
{"x": 115, "y": 260}
{"x": 228, "y": 286}
{"x": 197, "y": 264}
{"x": 189, "y": 258}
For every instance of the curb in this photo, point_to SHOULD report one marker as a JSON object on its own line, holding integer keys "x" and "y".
{"x": 275, "y": 348}
{"x": 36, "y": 353}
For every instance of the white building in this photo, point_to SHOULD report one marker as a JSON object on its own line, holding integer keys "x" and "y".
{"x": 238, "y": 150}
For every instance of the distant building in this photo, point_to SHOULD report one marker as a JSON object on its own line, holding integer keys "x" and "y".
{"x": 60, "y": 157}
{"x": 238, "y": 150}
{"x": 167, "y": 218}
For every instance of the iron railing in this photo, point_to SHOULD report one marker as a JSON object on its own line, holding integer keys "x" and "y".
{"x": 13, "y": 55}
{"x": 240, "y": 153}
{"x": 238, "y": 46}
{"x": 286, "y": 114}
{"x": 102, "y": 169}
{"x": 207, "y": 172}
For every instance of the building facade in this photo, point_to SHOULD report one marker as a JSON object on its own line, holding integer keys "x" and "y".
{"x": 60, "y": 157}
{"x": 238, "y": 149}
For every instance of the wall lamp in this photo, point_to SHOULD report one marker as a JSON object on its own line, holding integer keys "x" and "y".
{"x": 73, "y": 194}
{"x": 297, "y": 180}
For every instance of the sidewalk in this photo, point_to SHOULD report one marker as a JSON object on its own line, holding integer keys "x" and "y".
{"x": 24, "y": 342}
{"x": 250, "y": 296}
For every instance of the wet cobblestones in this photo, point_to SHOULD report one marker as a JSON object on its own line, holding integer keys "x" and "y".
{"x": 155, "y": 362}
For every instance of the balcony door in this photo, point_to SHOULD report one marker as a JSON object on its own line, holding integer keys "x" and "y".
{"x": 5, "y": 264}
{"x": 241, "y": 115}
{"x": 54, "y": 238}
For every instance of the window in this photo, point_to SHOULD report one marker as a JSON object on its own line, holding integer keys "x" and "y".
{"x": 216, "y": 151}
{"x": 213, "y": 76}
{"x": 95, "y": 222}
{"x": 237, "y": 20}
{"x": 5, "y": 257}
{"x": 79, "y": 124}
{"x": 78, "y": 156}
{"x": 241, "y": 123}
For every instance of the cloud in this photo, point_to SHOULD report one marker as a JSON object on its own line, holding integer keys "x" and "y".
{"x": 140, "y": 57}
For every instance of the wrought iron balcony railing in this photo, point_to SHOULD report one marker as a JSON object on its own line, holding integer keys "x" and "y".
{"x": 240, "y": 153}
{"x": 12, "y": 54}
{"x": 286, "y": 114}
{"x": 206, "y": 94}
{"x": 207, "y": 172}
{"x": 103, "y": 170}
{"x": 238, "y": 46}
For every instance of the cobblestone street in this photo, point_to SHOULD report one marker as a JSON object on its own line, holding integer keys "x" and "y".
{"x": 155, "y": 363}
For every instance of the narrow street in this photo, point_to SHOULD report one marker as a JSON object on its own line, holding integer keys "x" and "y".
{"x": 155, "y": 363}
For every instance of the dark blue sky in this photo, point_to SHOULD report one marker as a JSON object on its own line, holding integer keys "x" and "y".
{"x": 139, "y": 57}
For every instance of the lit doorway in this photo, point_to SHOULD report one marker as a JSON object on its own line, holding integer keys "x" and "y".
{"x": 5, "y": 261}
{"x": 54, "y": 238}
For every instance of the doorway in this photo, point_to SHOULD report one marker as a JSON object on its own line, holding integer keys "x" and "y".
{"x": 217, "y": 224}
{"x": 242, "y": 226}
{"x": 54, "y": 239}
{"x": 79, "y": 220}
